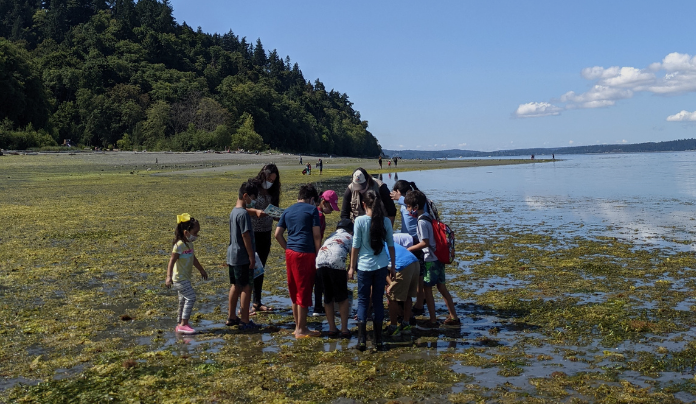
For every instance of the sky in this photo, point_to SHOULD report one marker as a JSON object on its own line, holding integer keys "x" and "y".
{"x": 486, "y": 75}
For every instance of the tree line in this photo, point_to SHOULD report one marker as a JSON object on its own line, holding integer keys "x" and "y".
{"x": 125, "y": 74}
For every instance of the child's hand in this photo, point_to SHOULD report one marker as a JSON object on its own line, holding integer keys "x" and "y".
{"x": 252, "y": 262}
{"x": 204, "y": 274}
{"x": 168, "y": 282}
{"x": 389, "y": 288}
{"x": 351, "y": 272}
{"x": 259, "y": 213}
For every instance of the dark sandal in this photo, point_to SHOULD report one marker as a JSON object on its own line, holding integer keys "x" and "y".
{"x": 233, "y": 321}
{"x": 332, "y": 334}
{"x": 346, "y": 335}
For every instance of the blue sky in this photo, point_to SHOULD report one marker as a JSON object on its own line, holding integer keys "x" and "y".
{"x": 486, "y": 75}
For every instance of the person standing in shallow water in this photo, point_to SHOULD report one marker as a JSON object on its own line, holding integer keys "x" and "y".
{"x": 368, "y": 258}
{"x": 304, "y": 240}
{"x": 268, "y": 183}
{"x": 380, "y": 162}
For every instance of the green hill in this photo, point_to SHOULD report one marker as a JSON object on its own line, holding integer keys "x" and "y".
{"x": 127, "y": 74}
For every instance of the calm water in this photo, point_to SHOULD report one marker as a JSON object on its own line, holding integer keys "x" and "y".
{"x": 648, "y": 198}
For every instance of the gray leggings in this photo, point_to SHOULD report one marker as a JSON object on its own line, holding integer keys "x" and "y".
{"x": 187, "y": 297}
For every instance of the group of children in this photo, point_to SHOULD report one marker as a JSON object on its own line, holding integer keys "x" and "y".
{"x": 402, "y": 264}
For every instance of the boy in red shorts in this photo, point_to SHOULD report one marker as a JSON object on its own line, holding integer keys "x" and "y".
{"x": 304, "y": 240}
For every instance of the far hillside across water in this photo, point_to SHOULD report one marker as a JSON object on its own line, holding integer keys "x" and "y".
{"x": 672, "y": 145}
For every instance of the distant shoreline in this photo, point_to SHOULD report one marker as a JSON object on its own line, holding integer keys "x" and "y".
{"x": 198, "y": 163}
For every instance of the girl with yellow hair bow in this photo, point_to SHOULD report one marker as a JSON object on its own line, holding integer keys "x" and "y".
{"x": 181, "y": 265}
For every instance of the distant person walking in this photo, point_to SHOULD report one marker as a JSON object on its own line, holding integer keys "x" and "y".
{"x": 300, "y": 160}
{"x": 320, "y": 166}
{"x": 380, "y": 162}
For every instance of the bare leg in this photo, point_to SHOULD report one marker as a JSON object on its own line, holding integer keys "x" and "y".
{"x": 302, "y": 321}
{"x": 431, "y": 303}
{"x": 343, "y": 310}
{"x": 448, "y": 299}
{"x": 407, "y": 309}
{"x": 393, "y": 311}
{"x": 420, "y": 294}
{"x": 295, "y": 315}
{"x": 232, "y": 303}
{"x": 330, "y": 318}
{"x": 246, "y": 300}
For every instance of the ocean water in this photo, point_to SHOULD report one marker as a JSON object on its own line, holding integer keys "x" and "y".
{"x": 646, "y": 198}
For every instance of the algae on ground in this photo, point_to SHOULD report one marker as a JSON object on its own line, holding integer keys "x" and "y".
{"x": 546, "y": 317}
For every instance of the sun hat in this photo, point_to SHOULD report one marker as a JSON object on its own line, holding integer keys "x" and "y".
{"x": 331, "y": 197}
{"x": 359, "y": 181}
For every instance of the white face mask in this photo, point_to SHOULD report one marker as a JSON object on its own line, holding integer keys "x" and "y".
{"x": 267, "y": 185}
{"x": 192, "y": 238}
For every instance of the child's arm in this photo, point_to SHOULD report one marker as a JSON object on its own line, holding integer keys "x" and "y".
{"x": 280, "y": 237}
{"x": 417, "y": 247}
{"x": 256, "y": 212}
{"x": 250, "y": 249}
{"x": 392, "y": 258}
{"x": 200, "y": 268}
{"x": 390, "y": 283}
{"x": 170, "y": 269}
{"x": 316, "y": 233}
{"x": 353, "y": 262}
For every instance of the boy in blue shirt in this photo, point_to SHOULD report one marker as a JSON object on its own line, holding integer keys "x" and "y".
{"x": 304, "y": 240}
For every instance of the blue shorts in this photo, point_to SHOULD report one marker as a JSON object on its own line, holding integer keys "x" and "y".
{"x": 434, "y": 273}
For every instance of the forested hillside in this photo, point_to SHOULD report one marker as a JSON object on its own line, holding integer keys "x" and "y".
{"x": 126, "y": 74}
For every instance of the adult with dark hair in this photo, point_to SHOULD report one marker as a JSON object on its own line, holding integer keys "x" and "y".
{"x": 369, "y": 258}
{"x": 304, "y": 240}
{"x": 352, "y": 198}
{"x": 268, "y": 184}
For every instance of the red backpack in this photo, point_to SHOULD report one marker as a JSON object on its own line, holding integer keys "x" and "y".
{"x": 444, "y": 240}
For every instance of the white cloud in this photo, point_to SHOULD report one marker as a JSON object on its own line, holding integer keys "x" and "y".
{"x": 683, "y": 116}
{"x": 624, "y": 141}
{"x": 675, "y": 74}
{"x": 401, "y": 146}
{"x": 597, "y": 72}
{"x": 599, "y": 96}
{"x": 537, "y": 109}
{"x": 675, "y": 62}
{"x": 461, "y": 144}
{"x": 629, "y": 77}
{"x": 571, "y": 142}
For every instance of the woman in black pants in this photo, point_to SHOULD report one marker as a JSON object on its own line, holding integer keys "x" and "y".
{"x": 268, "y": 182}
